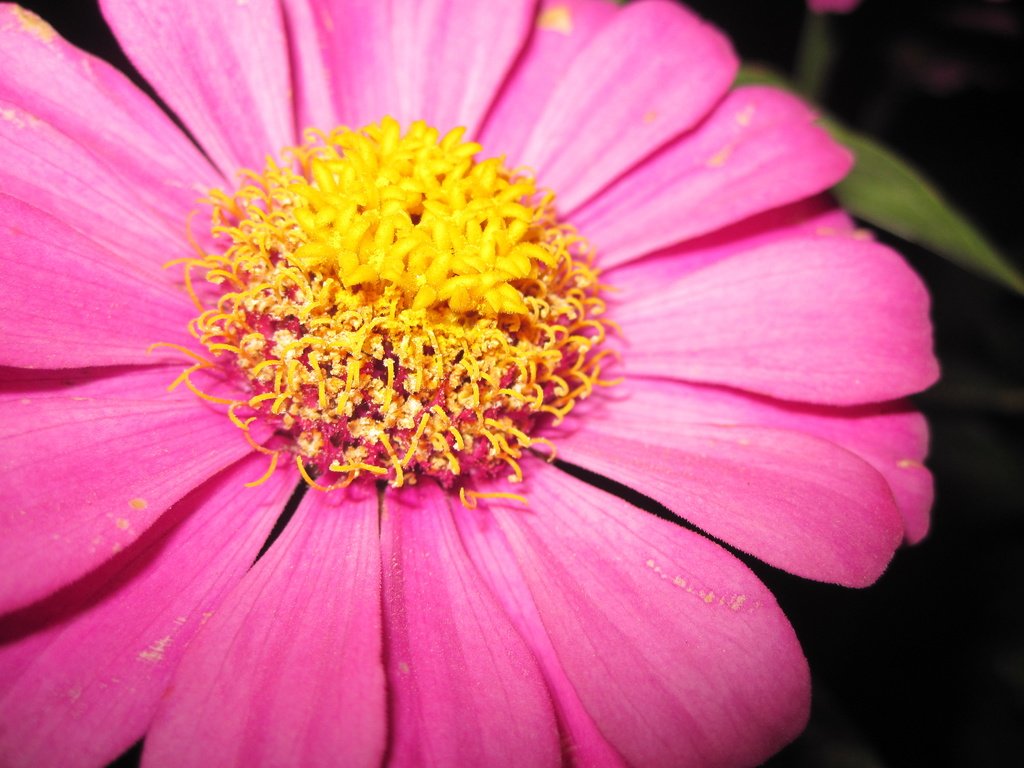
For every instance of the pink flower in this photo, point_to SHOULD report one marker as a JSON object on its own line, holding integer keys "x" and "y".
{"x": 833, "y": 6}
{"x": 765, "y": 347}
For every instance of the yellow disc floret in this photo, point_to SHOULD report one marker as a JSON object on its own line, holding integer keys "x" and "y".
{"x": 395, "y": 308}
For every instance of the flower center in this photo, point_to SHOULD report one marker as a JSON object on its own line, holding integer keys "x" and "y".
{"x": 395, "y": 308}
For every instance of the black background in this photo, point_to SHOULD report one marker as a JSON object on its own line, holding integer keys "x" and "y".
{"x": 926, "y": 668}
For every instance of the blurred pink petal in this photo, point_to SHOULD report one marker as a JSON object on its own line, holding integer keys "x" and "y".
{"x": 309, "y": 51}
{"x": 832, "y": 6}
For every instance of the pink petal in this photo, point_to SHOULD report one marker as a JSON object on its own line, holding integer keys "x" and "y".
{"x": 891, "y": 437}
{"x": 46, "y": 169}
{"x": 288, "y": 671}
{"x": 623, "y": 97}
{"x": 679, "y": 653}
{"x": 111, "y": 383}
{"x": 436, "y": 60}
{"x": 795, "y": 501}
{"x": 99, "y": 108}
{"x": 71, "y": 303}
{"x": 465, "y": 689}
{"x": 222, "y": 67}
{"x": 758, "y": 150}
{"x": 814, "y": 216}
{"x": 85, "y": 670}
{"x": 831, "y": 320}
{"x": 488, "y": 548}
{"x": 356, "y": 39}
{"x": 832, "y": 6}
{"x": 562, "y": 28}
{"x": 309, "y": 49}
{"x": 87, "y": 473}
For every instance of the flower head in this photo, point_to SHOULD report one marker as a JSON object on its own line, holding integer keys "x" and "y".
{"x": 833, "y": 6}
{"x": 425, "y": 262}
{"x": 399, "y": 309}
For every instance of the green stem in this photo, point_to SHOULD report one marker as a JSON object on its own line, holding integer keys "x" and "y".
{"x": 814, "y": 56}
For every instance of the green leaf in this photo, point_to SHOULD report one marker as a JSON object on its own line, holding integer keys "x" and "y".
{"x": 887, "y": 192}
{"x": 816, "y": 53}
{"x": 756, "y": 74}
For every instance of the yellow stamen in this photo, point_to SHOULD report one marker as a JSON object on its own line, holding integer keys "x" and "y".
{"x": 266, "y": 475}
{"x": 469, "y": 498}
{"x": 386, "y": 292}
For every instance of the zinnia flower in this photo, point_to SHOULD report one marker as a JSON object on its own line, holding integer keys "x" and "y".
{"x": 548, "y": 239}
{"x": 833, "y": 6}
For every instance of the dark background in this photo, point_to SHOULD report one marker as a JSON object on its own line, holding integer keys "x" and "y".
{"x": 926, "y": 668}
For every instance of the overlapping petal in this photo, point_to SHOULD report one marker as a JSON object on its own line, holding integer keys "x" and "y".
{"x": 562, "y": 28}
{"x": 465, "y": 689}
{"x": 222, "y": 67}
{"x": 795, "y": 500}
{"x": 73, "y": 303}
{"x": 677, "y": 651}
{"x": 417, "y": 60}
{"x": 765, "y": 359}
{"x": 45, "y": 169}
{"x": 84, "y": 671}
{"x": 100, "y": 109}
{"x": 488, "y": 548}
{"x": 288, "y": 671}
{"x": 830, "y": 320}
{"x": 610, "y": 107}
{"x": 816, "y": 216}
{"x": 309, "y": 53}
{"x": 758, "y": 150}
{"x": 87, "y": 472}
{"x": 891, "y": 437}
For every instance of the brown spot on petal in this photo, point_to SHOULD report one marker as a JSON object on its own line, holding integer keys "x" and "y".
{"x": 34, "y": 25}
{"x": 138, "y": 504}
{"x": 557, "y": 18}
{"x": 155, "y": 652}
{"x": 909, "y": 464}
{"x": 720, "y": 157}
